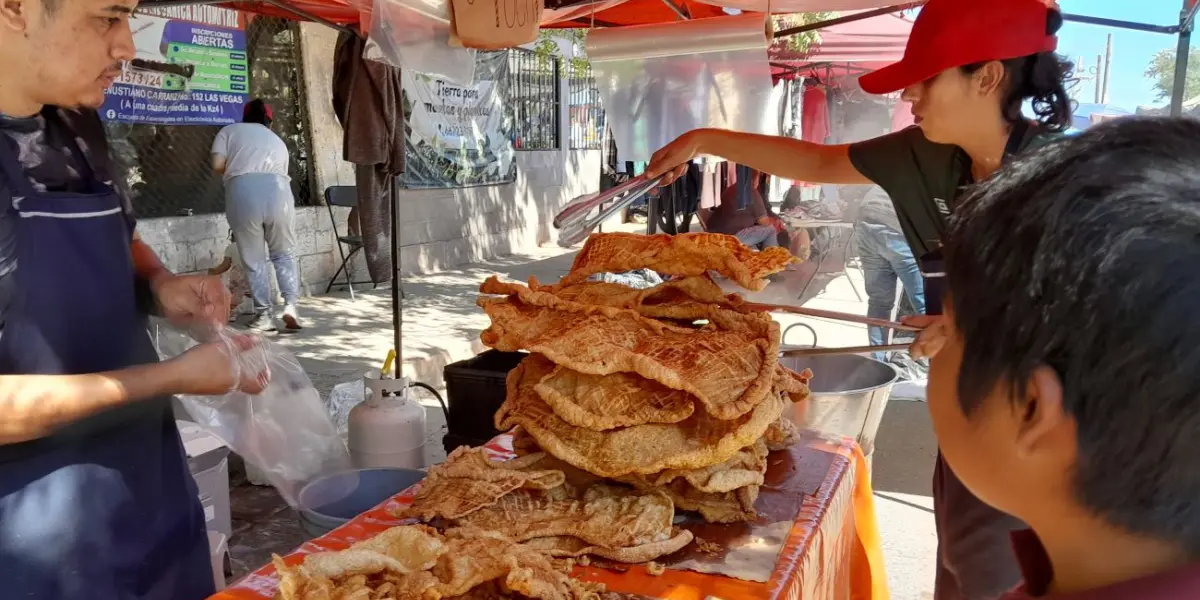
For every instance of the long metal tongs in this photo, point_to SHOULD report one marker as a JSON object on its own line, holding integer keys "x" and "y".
{"x": 573, "y": 222}
{"x": 837, "y": 316}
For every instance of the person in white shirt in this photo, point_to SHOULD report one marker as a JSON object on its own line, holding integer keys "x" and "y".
{"x": 260, "y": 208}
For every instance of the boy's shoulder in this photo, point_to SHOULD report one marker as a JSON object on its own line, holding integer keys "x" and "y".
{"x": 1179, "y": 584}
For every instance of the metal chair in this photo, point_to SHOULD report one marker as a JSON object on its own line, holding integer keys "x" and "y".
{"x": 344, "y": 196}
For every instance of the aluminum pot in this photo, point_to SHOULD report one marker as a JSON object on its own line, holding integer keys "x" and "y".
{"x": 849, "y": 394}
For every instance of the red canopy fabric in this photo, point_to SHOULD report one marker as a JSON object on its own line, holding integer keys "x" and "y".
{"x": 604, "y": 13}
{"x": 848, "y": 49}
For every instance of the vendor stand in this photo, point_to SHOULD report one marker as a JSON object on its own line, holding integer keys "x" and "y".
{"x": 830, "y": 551}
{"x": 821, "y": 488}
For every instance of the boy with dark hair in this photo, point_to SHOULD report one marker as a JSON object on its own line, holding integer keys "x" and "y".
{"x": 1067, "y": 389}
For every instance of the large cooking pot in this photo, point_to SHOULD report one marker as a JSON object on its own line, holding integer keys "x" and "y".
{"x": 849, "y": 394}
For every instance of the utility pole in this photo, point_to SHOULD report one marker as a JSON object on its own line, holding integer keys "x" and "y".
{"x": 1182, "y": 50}
{"x": 1108, "y": 50}
{"x": 1099, "y": 76}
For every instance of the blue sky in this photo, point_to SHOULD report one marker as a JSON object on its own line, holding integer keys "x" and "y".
{"x": 1132, "y": 50}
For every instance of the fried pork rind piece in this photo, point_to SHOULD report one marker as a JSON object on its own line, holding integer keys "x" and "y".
{"x": 572, "y": 547}
{"x": 697, "y": 442}
{"x": 608, "y": 516}
{"x": 603, "y": 402}
{"x": 746, "y": 468}
{"x": 781, "y": 435}
{"x": 467, "y": 559}
{"x": 399, "y": 551}
{"x": 728, "y": 507}
{"x": 729, "y": 365}
{"x": 676, "y": 299}
{"x": 469, "y": 481}
{"x": 476, "y": 557}
{"x": 686, "y": 255}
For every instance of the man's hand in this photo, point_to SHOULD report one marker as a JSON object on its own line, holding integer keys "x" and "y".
{"x": 221, "y": 367}
{"x": 188, "y": 299}
{"x": 931, "y": 337}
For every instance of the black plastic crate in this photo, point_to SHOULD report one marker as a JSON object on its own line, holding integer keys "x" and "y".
{"x": 475, "y": 389}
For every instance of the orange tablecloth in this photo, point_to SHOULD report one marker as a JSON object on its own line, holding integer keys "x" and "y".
{"x": 832, "y": 552}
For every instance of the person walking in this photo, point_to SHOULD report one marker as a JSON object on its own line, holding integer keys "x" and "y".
{"x": 96, "y": 499}
{"x": 261, "y": 211}
{"x": 886, "y": 259}
{"x": 969, "y": 68}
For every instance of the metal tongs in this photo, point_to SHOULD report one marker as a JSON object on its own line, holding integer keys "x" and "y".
{"x": 836, "y": 316}
{"x": 573, "y": 222}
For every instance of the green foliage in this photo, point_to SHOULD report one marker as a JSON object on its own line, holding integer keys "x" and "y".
{"x": 1162, "y": 71}
{"x": 545, "y": 47}
{"x": 800, "y": 42}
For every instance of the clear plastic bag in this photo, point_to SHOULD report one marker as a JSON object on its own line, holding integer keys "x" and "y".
{"x": 415, "y": 35}
{"x": 284, "y": 430}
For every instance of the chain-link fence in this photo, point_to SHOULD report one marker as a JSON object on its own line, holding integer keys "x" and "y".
{"x": 169, "y": 167}
{"x": 587, "y": 120}
{"x": 534, "y": 96}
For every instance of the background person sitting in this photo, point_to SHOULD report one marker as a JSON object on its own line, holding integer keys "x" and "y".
{"x": 756, "y": 225}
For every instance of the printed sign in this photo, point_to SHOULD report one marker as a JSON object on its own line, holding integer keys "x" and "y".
{"x": 191, "y": 68}
{"x": 455, "y": 135}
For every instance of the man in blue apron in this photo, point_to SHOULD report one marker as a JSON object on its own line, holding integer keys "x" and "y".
{"x": 96, "y": 501}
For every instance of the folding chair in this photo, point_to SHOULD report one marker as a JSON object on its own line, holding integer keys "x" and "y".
{"x": 345, "y": 196}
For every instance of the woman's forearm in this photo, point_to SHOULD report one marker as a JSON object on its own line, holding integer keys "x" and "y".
{"x": 34, "y": 406}
{"x": 784, "y": 157}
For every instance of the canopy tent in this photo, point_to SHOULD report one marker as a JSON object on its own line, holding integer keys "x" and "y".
{"x": 565, "y": 13}
{"x": 847, "y": 49}
{"x": 868, "y": 47}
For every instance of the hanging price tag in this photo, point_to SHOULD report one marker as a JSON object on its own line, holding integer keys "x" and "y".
{"x": 496, "y": 24}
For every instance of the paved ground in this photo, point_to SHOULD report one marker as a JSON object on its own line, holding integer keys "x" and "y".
{"x": 345, "y": 337}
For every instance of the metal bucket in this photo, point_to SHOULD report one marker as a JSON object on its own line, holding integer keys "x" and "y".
{"x": 328, "y": 502}
{"x": 849, "y": 394}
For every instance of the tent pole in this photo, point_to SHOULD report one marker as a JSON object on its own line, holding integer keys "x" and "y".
{"x": 675, "y": 9}
{"x": 1182, "y": 52}
{"x": 846, "y": 19}
{"x": 397, "y": 292}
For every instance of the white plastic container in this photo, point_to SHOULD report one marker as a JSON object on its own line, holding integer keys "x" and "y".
{"x": 208, "y": 460}
{"x": 388, "y": 428}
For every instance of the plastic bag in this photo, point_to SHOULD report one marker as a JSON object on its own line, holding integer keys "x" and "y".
{"x": 284, "y": 430}
{"x": 344, "y": 397}
{"x": 415, "y": 35}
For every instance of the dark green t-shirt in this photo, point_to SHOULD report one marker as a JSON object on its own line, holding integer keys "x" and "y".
{"x": 924, "y": 180}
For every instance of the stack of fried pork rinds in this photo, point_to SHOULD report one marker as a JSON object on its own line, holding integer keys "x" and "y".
{"x": 675, "y": 389}
{"x": 531, "y": 500}
{"x": 418, "y": 563}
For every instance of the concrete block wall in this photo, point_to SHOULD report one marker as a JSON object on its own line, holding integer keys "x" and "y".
{"x": 196, "y": 243}
{"x": 439, "y": 229}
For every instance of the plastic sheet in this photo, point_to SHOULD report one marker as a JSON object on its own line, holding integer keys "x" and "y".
{"x": 415, "y": 34}
{"x": 283, "y": 430}
{"x": 660, "y": 81}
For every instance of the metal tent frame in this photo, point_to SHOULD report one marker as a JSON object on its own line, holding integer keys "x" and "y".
{"x": 1183, "y": 29}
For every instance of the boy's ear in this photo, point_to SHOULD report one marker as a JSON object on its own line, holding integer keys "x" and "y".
{"x": 1043, "y": 418}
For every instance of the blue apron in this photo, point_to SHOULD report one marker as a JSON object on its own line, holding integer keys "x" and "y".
{"x": 106, "y": 507}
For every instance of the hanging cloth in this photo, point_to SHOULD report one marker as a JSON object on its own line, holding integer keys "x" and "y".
{"x": 814, "y": 120}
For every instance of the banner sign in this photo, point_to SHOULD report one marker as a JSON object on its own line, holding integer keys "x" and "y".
{"x": 458, "y": 136}
{"x": 191, "y": 68}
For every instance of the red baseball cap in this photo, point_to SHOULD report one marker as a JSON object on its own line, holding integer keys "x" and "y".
{"x": 954, "y": 33}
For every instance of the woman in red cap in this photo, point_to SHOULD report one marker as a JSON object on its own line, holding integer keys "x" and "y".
{"x": 969, "y": 68}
